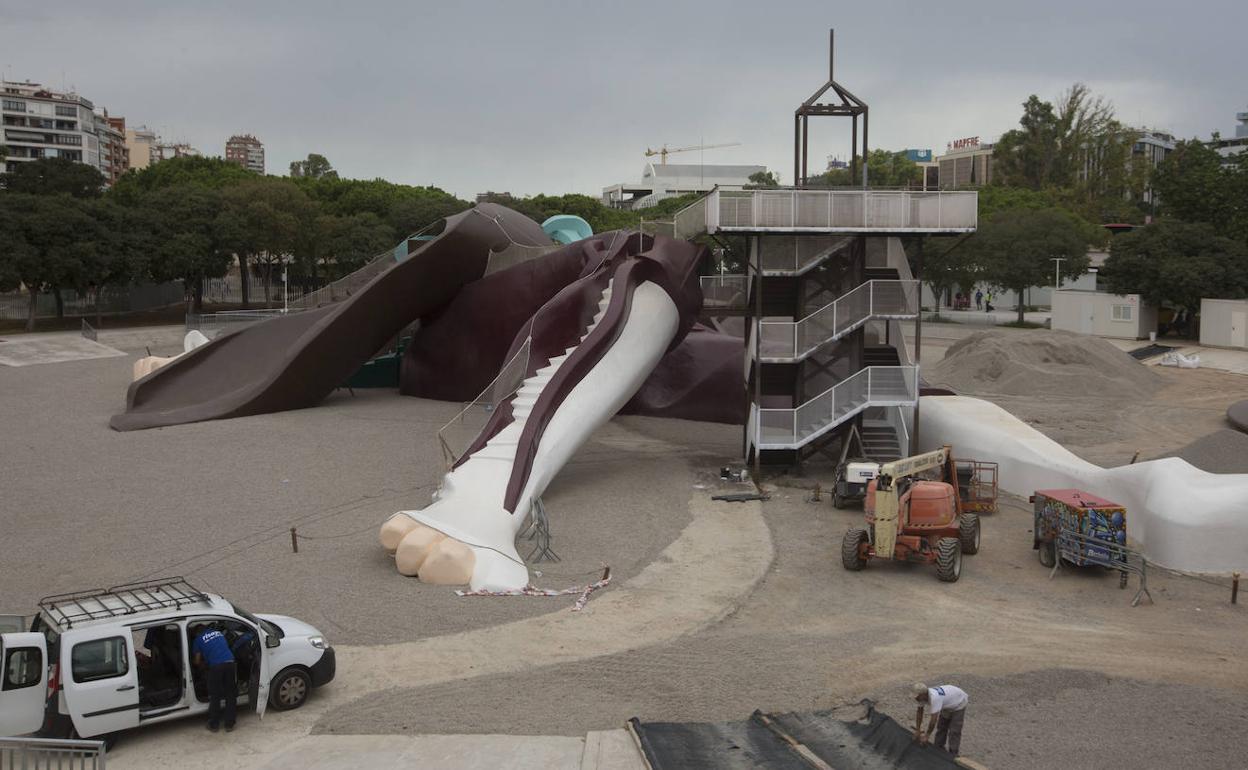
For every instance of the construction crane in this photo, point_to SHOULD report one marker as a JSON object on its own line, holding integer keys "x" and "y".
{"x": 663, "y": 151}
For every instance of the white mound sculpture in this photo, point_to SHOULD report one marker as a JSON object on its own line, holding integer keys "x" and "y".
{"x": 148, "y": 364}
{"x": 1179, "y": 516}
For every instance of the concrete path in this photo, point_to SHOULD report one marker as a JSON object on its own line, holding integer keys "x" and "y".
{"x": 600, "y": 750}
{"x": 699, "y": 579}
{"x": 31, "y": 349}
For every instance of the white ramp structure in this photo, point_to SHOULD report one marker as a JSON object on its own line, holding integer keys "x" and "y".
{"x": 1180, "y": 516}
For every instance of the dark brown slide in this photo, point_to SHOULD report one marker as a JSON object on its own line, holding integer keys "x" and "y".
{"x": 295, "y": 361}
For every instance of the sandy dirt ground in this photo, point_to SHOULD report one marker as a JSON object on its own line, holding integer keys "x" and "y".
{"x": 1188, "y": 404}
{"x": 1061, "y": 672}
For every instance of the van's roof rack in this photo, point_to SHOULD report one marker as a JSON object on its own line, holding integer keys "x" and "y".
{"x": 120, "y": 600}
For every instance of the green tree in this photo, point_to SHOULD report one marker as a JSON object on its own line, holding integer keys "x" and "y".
{"x": 54, "y": 176}
{"x": 1196, "y": 184}
{"x": 1177, "y": 263}
{"x": 210, "y": 173}
{"x": 763, "y": 180}
{"x": 194, "y": 237}
{"x": 1014, "y": 248}
{"x": 1077, "y": 147}
{"x": 263, "y": 219}
{"x": 46, "y": 241}
{"x": 885, "y": 168}
{"x": 315, "y": 167}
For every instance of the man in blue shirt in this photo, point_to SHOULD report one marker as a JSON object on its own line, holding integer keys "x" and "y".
{"x": 212, "y": 651}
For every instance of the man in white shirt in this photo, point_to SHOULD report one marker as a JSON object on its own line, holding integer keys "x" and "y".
{"x": 947, "y": 706}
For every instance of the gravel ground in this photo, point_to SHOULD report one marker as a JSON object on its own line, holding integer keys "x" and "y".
{"x": 1223, "y": 451}
{"x": 215, "y": 501}
{"x": 813, "y": 636}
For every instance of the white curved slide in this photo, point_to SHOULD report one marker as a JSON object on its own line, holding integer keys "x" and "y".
{"x": 1180, "y": 516}
{"x": 469, "y": 506}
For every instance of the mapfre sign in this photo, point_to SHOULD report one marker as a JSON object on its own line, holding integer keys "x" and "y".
{"x": 969, "y": 143}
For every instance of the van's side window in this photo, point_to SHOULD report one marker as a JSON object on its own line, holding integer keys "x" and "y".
{"x": 99, "y": 659}
{"x": 23, "y": 667}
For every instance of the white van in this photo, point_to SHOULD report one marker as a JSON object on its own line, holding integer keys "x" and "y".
{"x": 98, "y": 662}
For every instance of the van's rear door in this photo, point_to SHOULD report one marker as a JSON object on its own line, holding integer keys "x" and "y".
{"x": 100, "y": 680}
{"x": 23, "y": 682}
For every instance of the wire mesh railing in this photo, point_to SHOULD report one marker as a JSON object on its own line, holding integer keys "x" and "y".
{"x": 214, "y": 324}
{"x": 725, "y": 291}
{"x": 34, "y": 753}
{"x": 865, "y": 210}
{"x": 879, "y": 298}
{"x": 872, "y": 386}
{"x": 456, "y": 436}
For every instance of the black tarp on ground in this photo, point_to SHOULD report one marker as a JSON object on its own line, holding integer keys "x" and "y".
{"x": 845, "y": 737}
{"x": 726, "y": 745}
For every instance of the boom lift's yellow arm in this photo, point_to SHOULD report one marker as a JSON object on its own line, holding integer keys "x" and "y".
{"x": 886, "y": 499}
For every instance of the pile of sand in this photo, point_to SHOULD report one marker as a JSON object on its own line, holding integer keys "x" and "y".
{"x": 1223, "y": 451}
{"x": 1042, "y": 363}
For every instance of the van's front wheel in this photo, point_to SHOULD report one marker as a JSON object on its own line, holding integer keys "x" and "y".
{"x": 289, "y": 689}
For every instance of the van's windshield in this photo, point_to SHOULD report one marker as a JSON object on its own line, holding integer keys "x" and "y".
{"x": 272, "y": 629}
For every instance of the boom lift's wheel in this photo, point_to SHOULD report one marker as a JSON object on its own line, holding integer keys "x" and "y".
{"x": 968, "y": 533}
{"x": 1048, "y": 554}
{"x": 948, "y": 559}
{"x": 852, "y": 555}
{"x": 838, "y": 502}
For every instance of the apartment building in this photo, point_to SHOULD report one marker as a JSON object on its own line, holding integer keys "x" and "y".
{"x": 40, "y": 123}
{"x": 247, "y": 151}
{"x": 141, "y": 145}
{"x": 114, "y": 156}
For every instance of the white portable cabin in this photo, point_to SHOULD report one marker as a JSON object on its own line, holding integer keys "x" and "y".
{"x": 1122, "y": 316}
{"x": 1224, "y": 323}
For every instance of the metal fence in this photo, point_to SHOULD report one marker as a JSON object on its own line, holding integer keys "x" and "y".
{"x": 849, "y": 210}
{"x": 45, "y": 754}
{"x": 213, "y": 324}
{"x": 872, "y": 386}
{"x": 15, "y": 306}
{"x": 1082, "y": 549}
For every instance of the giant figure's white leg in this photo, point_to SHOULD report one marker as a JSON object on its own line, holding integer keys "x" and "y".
{"x": 477, "y": 532}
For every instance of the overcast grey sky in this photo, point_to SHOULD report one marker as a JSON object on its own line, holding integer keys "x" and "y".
{"x": 557, "y": 97}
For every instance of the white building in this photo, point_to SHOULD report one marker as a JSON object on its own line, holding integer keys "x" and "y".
{"x": 1230, "y": 147}
{"x": 667, "y": 180}
{"x": 39, "y": 123}
{"x": 1224, "y": 323}
{"x": 1123, "y": 316}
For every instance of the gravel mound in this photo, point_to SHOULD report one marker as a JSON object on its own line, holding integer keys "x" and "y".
{"x": 1223, "y": 451}
{"x": 1042, "y": 363}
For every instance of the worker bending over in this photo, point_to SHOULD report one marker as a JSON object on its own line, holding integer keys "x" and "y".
{"x": 947, "y": 705}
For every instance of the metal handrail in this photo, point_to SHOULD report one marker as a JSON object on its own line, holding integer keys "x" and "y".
{"x": 871, "y": 386}
{"x": 871, "y": 209}
{"x": 843, "y": 322}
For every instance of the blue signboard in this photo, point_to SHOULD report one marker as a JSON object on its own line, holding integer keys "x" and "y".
{"x": 919, "y": 156}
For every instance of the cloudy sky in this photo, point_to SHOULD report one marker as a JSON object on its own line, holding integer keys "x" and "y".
{"x": 534, "y": 96}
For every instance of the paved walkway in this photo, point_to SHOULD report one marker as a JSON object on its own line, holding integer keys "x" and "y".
{"x": 697, "y": 581}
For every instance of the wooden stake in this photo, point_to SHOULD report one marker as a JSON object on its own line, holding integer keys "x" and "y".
{"x": 1234, "y": 588}
{"x": 294, "y": 540}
